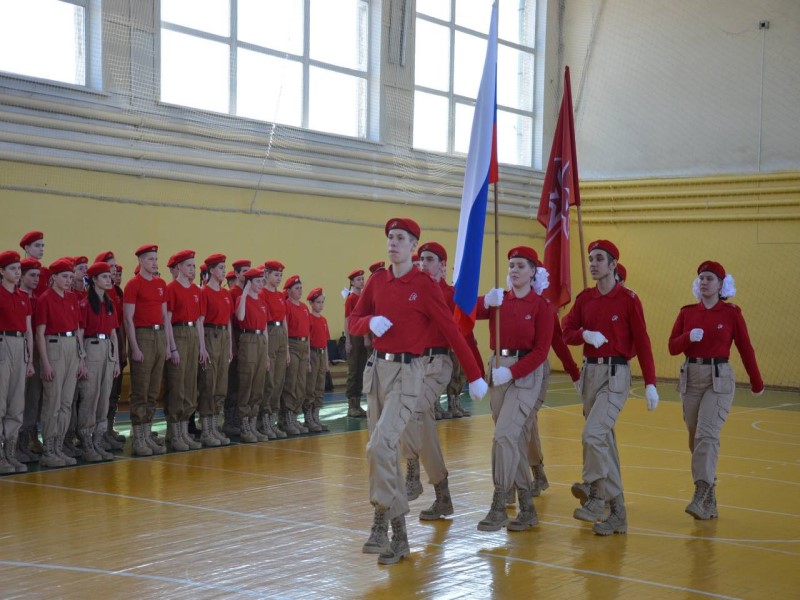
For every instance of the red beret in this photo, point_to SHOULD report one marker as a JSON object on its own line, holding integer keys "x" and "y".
{"x": 622, "y": 272}
{"x": 104, "y": 256}
{"x": 253, "y": 274}
{"x": 98, "y": 268}
{"x": 145, "y": 249}
{"x": 242, "y": 262}
{"x": 606, "y": 246}
{"x": 274, "y": 265}
{"x": 713, "y": 267}
{"x": 179, "y": 257}
{"x": 9, "y": 257}
{"x": 404, "y": 224}
{"x": 230, "y": 275}
{"x": 80, "y": 260}
{"x": 118, "y": 267}
{"x": 61, "y": 265}
{"x": 314, "y": 294}
{"x": 524, "y": 252}
{"x": 437, "y": 249}
{"x": 355, "y": 273}
{"x": 30, "y": 237}
{"x": 415, "y": 257}
{"x": 377, "y": 266}
{"x": 203, "y": 267}
{"x": 215, "y": 259}
{"x": 294, "y": 279}
{"x": 29, "y": 264}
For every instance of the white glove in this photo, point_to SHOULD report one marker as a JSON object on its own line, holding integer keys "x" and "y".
{"x": 494, "y": 297}
{"x": 379, "y": 325}
{"x": 478, "y": 389}
{"x": 652, "y": 396}
{"x": 501, "y": 375}
{"x": 594, "y": 338}
{"x": 695, "y": 335}
{"x": 757, "y": 393}
{"x": 578, "y": 386}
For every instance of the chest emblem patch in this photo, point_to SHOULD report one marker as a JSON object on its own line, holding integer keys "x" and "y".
{"x": 412, "y": 297}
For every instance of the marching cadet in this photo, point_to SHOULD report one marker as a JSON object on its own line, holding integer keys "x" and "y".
{"x": 399, "y": 306}
{"x": 16, "y": 364}
{"x": 253, "y": 360}
{"x": 215, "y": 317}
{"x": 315, "y": 383}
{"x": 61, "y": 353}
{"x": 298, "y": 328}
{"x": 609, "y": 321}
{"x": 28, "y": 445}
{"x": 704, "y": 332}
{"x": 526, "y": 331}
{"x": 100, "y": 322}
{"x": 230, "y": 425}
{"x": 112, "y": 439}
{"x": 187, "y": 350}
{"x": 33, "y": 245}
{"x": 355, "y": 347}
{"x": 419, "y": 440}
{"x": 279, "y": 358}
{"x": 145, "y": 316}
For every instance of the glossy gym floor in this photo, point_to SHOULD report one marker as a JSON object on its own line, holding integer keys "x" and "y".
{"x": 287, "y": 519}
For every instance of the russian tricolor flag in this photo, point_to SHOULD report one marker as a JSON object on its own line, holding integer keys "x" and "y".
{"x": 481, "y": 171}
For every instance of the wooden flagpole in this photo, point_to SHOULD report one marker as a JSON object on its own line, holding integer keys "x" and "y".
{"x": 582, "y": 252}
{"x": 496, "y": 279}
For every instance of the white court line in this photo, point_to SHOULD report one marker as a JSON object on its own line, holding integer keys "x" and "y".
{"x": 755, "y": 425}
{"x": 188, "y": 582}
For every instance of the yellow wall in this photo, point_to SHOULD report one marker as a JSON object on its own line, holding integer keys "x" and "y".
{"x": 664, "y": 229}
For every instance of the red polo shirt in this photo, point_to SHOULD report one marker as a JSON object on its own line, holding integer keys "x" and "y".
{"x": 256, "y": 313}
{"x": 619, "y": 316}
{"x": 436, "y": 339}
{"x": 525, "y": 324}
{"x": 44, "y": 281}
{"x": 94, "y": 323}
{"x": 183, "y": 302}
{"x": 276, "y": 302}
{"x": 414, "y": 304}
{"x": 562, "y": 351}
{"x": 216, "y": 306}
{"x": 58, "y": 314}
{"x": 350, "y": 302}
{"x": 15, "y": 307}
{"x": 147, "y": 297}
{"x": 319, "y": 331}
{"x": 297, "y": 320}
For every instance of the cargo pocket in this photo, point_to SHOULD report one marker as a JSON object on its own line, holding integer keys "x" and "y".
{"x": 369, "y": 375}
{"x": 615, "y": 404}
{"x": 722, "y": 378}
{"x": 522, "y": 414}
{"x": 3, "y": 350}
{"x": 410, "y": 384}
{"x": 525, "y": 383}
{"x": 682, "y": 377}
{"x": 434, "y": 366}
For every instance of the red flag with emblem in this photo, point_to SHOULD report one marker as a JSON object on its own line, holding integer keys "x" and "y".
{"x": 559, "y": 192}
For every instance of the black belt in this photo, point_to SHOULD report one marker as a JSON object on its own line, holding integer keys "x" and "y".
{"x": 62, "y": 334}
{"x": 435, "y": 351}
{"x": 150, "y": 327}
{"x": 184, "y": 324}
{"x": 320, "y": 350}
{"x": 13, "y": 333}
{"x": 401, "y": 357}
{"x": 212, "y": 326}
{"x": 274, "y": 323}
{"x": 606, "y": 360}
{"x": 255, "y": 331}
{"x": 298, "y": 339}
{"x": 515, "y": 353}
{"x": 97, "y": 336}
{"x": 708, "y": 361}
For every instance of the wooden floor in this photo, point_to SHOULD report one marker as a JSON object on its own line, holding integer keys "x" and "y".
{"x": 287, "y": 519}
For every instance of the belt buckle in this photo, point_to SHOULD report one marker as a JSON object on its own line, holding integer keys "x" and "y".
{"x": 156, "y": 327}
{"x": 190, "y": 323}
{"x": 504, "y": 352}
{"x": 389, "y": 356}
{"x": 102, "y": 336}
{"x": 68, "y": 334}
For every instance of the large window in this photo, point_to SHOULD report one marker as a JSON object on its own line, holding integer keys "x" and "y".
{"x": 296, "y": 62}
{"x": 451, "y": 37}
{"x": 52, "y": 39}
